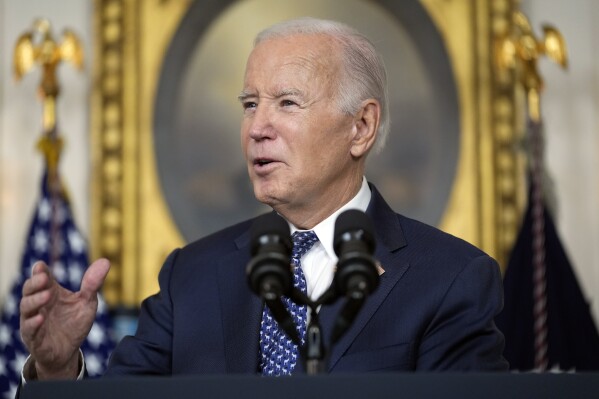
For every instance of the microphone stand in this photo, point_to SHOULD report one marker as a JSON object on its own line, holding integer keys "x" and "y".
{"x": 314, "y": 352}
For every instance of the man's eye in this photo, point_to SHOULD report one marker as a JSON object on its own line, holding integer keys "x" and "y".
{"x": 249, "y": 105}
{"x": 288, "y": 103}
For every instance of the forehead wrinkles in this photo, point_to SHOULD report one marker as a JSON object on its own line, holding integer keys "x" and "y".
{"x": 315, "y": 66}
{"x": 323, "y": 56}
{"x": 307, "y": 66}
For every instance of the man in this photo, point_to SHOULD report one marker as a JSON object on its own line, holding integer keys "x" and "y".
{"x": 315, "y": 105}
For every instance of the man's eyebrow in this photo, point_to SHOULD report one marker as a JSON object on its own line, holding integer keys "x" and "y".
{"x": 288, "y": 92}
{"x": 244, "y": 95}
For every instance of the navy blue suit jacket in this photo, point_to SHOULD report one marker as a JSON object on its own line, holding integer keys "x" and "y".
{"x": 433, "y": 310}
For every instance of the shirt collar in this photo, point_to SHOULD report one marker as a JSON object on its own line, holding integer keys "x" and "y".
{"x": 325, "y": 230}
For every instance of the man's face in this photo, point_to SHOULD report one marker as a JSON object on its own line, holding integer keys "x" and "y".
{"x": 295, "y": 139}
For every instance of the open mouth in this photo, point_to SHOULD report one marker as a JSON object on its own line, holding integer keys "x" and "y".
{"x": 264, "y": 166}
{"x": 262, "y": 161}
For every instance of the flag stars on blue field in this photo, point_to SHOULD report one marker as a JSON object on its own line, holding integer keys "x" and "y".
{"x": 10, "y": 306}
{"x": 96, "y": 336}
{"x": 59, "y": 272}
{"x": 75, "y": 273}
{"x": 40, "y": 240}
{"x": 77, "y": 242}
{"x": 44, "y": 210}
{"x": 12, "y": 391}
{"x": 18, "y": 362}
{"x": 5, "y": 336}
{"x": 93, "y": 364}
{"x": 101, "y": 305}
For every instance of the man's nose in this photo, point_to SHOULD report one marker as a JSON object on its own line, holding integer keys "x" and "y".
{"x": 261, "y": 126}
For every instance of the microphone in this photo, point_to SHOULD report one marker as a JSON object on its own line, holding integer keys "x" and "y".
{"x": 269, "y": 270}
{"x": 354, "y": 244}
{"x": 356, "y": 276}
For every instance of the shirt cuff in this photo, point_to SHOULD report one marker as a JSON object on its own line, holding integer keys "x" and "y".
{"x": 28, "y": 372}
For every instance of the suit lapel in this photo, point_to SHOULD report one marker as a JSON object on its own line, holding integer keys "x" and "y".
{"x": 390, "y": 239}
{"x": 241, "y": 310}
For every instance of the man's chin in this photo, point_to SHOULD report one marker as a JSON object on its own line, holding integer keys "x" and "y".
{"x": 270, "y": 201}
{"x": 267, "y": 197}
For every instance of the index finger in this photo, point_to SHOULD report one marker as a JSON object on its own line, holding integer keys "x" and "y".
{"x": 39, "y": 280}
{"x": 40, "y": 267}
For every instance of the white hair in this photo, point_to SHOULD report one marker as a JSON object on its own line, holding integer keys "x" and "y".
{"x": 365, "y": 75}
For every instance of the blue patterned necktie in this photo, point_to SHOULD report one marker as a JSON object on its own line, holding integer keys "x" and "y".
{"x": 278, "y": 354}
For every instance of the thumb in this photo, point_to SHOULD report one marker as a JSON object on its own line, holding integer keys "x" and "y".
{"x": 94, "y": 278}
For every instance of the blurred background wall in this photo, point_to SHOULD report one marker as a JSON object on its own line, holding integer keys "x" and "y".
{"x": 570, "y": 104}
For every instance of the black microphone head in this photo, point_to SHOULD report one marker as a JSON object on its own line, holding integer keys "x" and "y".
{"x": 356, "y": 275}
{"x": 269, "y": 270}
{"x": 353, "y": 225}
{"x": 269, "y": 229}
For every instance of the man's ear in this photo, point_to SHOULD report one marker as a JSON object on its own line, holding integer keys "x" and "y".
{"x": 366, "y": 124}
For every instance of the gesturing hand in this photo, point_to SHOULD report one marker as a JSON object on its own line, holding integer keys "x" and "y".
{"x": 55, "y": 321}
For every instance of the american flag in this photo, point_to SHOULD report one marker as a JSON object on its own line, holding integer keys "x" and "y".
{"x": 53, "y": 238}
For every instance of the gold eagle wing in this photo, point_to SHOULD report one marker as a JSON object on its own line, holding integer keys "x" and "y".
{"x": 24, "y": 55}
{"x": 71, "y": 49}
